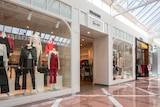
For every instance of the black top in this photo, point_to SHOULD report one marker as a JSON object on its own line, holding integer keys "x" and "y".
{"x": 28, "y": 57}
{"x": 6, "y": 42}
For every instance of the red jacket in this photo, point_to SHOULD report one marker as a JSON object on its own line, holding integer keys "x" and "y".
{"x": 49, "y": 46}
{"x": 11, "y": 44}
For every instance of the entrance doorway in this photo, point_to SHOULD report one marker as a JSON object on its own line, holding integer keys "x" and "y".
{"x": 93, "y": 45}
{"x": 142, "y": 59}
{"x": 86, "y": 60}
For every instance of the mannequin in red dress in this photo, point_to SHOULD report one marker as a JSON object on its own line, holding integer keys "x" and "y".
{"x": 53, "y": 66}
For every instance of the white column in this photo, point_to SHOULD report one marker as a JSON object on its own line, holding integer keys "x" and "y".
{"x": 110, "y": 55}
{"x": 75, "y": 51}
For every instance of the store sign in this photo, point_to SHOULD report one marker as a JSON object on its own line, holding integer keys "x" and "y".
{"x": 95, "y": 23}
{"x": 143, "y": 46}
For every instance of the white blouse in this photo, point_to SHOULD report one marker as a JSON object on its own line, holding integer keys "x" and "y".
{"x": 3, "y": 52}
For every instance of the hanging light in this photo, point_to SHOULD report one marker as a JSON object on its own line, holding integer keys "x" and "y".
{"x": 57, "y": 24}
{"x": 29, "y": 15}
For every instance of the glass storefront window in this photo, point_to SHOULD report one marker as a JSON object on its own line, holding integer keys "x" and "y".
{"x": 27, "y": 1}
{"x": 39, "y": 53}
{"x": 40, "y": 3}
{"x": 54, "y": 6}
{"x": 65, "y": 10}
{"x": 122, "y": 60}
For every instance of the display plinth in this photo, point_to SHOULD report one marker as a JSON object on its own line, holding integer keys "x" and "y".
{"x": 58, "y": 85}
{"x": 39, "y": 80}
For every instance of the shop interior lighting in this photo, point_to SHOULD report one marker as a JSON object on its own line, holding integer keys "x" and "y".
{"x": 29, "y": 15}
{"x": 82, "y": 39}
{"x": 57, "y": 24}
{"x": 88, "y": 32}
{"x": 27, "y": 27}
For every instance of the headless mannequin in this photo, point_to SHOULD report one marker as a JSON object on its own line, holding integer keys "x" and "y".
{"x": 53, "y": 66}
{"x": 28, "y": 62}
{"x": 35, "y": 40}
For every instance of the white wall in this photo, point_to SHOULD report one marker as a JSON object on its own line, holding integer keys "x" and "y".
{"x": 156, "y": 63}
{"x": 85, "y": 6}
{"x": 100, "y": 61}
{"x": 75, "y": 52}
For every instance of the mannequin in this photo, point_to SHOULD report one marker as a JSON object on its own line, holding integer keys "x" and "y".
{"x": 120, "y": 64}
{"x": 53, "y": 66}
{"x": 4, "y": 40}
{"x": 35, "y": 40}
{"x": 27, "y": 62}
{"x": 3, "y": 66}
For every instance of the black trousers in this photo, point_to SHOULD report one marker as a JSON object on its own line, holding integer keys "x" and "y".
{"x": 25, "y": 71}
{"x": 3, "y": 78}
{"x": 18, "y": 74}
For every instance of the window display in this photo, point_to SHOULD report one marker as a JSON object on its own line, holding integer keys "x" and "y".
{"x": 34, "y": 55}
{"x": 122, "y": 60}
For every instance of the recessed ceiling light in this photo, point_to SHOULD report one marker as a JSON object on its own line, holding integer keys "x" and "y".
{"x": 27, "y": 26}
{"x": 88, "y": 32}
{"x": 51, "y": 32}
{"x": 82, "y": 39}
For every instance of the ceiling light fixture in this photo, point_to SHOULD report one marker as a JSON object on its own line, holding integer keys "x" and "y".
{"x": 57, "y": 24}
{"x": 82, "y": 39}
{"x": 88, "y": 32}
{"x": 29, "y": 15}
{"x": 27, "y": 27}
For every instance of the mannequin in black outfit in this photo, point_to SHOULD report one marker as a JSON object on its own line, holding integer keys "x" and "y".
{"x": 27, "y": 62}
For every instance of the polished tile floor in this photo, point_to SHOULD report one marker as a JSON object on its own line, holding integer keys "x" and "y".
{"x": 144, "y": 92}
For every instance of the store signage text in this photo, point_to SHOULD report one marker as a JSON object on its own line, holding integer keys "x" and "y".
{"x": 95, "y": 14}
{"x": 95, "y": 23}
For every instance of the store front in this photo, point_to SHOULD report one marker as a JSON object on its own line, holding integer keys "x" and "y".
{"x": 38, "y": 49}
{"x": 122, "y": 56}
{"x": 142, "y": 59}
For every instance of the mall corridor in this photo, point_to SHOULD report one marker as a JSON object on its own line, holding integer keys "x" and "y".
{"x": 144, "y": 92}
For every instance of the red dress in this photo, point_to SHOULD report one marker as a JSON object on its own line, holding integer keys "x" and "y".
{"x": 53, "y": 67}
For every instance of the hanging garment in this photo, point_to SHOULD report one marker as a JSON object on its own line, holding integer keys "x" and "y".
{"x": 3, "y": 76}
{"x": 11, "y": 44}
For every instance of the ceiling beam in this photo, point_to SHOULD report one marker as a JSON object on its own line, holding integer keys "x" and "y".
{"x": 149, "y": 2}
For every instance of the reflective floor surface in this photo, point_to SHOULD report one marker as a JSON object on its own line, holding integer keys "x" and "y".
{"x": 144, "y": 92}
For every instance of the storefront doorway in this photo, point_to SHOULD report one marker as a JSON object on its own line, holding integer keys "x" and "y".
{"x": 89, "y": 39}
{"x": 142, "y": 59}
